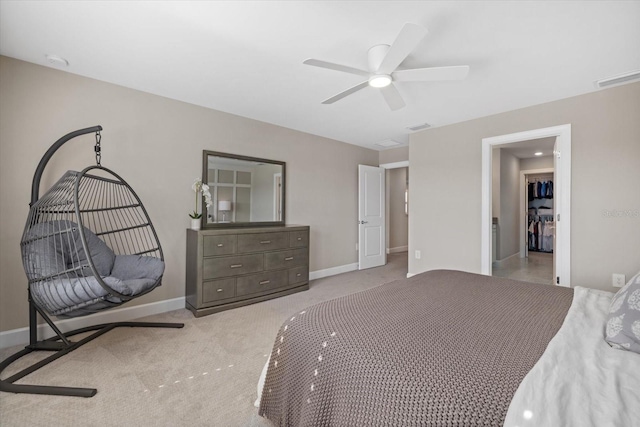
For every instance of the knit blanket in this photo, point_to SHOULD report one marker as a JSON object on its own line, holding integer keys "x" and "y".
{"x": 443, "y": 348}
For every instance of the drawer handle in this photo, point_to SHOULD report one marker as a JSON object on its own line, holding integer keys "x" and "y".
{"x": 219, "y": 290}
{"x": 236, "y": 265}
{"x": 220, "y": 245}
{"x": 265, "y": 242}
{"x": 289, "y": 258}
{"x": 299, "y": 238}
{"x": 265, "y": 282}
{"x": 298, "y": 275}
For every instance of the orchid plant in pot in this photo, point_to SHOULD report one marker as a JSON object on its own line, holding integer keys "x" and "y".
{"x": 200, "y": 189}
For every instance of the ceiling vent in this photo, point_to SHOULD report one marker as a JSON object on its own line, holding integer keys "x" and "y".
{"x": 622, "y": 78}
{"x": 419, "y": 127}
{"x": 387, "y": 143}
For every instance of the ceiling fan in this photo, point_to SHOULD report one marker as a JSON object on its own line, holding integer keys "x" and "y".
{"x": 383, "y": 62}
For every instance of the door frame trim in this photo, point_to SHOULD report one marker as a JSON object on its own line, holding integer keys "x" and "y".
{"x": 395, "y": 165}
{"x": 562, "y": 188}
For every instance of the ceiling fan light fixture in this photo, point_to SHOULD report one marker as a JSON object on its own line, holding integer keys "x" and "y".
{"x": 380, "y": 80}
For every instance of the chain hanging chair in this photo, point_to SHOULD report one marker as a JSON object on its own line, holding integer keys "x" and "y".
{"x": 88, "y": 245}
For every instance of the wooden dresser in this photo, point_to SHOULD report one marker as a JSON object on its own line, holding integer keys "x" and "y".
{"x": 229, "y": 268}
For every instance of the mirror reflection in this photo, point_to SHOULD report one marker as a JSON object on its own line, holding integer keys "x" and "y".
{"x": 244, "y": 190}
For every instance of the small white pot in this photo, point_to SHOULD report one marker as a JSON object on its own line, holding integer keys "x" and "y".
{"x": 195, "y": 223}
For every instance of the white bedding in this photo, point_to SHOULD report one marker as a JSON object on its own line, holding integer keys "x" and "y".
{"x": 579, "y": 380}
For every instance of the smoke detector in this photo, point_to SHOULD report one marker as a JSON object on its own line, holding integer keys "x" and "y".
{"x": 57, "y": 61}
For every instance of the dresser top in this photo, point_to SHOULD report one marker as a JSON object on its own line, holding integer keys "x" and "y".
{"x": 249, "y": 230}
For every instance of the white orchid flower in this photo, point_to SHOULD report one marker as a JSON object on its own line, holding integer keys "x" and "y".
{"x": 199, "y": 187}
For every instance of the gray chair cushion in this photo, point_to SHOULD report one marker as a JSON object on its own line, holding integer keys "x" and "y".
{"x": 58, "y": 247}
{"x": 127, "y": 267}
{"x": 623, "y": 323}
{"x": 101, "y": 255}
{"x": 62, "y": 250}
{"x": 58, "y": 295}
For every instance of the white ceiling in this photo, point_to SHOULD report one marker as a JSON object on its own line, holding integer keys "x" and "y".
{"x": 246, "y": 57}
{"x": 527, "y": 149}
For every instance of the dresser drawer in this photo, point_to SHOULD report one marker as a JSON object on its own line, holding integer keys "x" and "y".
{"x": 219, "y": 245}
{"x": 262, "y": 242}
{"x": 285, "y": 259}
{"x": 298, "y": 239}
{"x": 216, "y": 290}
{"x": 298, "y": 275}
{"x": 261, "y": 282}
{"x": 212, "y": 268}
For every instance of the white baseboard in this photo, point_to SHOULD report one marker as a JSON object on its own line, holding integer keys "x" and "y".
{"x": 21, "y": 336}
{"x": 506, "y": 258}
{"x": 410, "y": 275}
{"x": 398, "y": 249}
{"x": 319, "y": 274}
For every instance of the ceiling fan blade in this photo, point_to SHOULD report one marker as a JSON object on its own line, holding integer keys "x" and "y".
{"x": 393, "y": 98}
{"x": 345, "y": 93}
{"x": 336, "y": 67}
{"x": 457, "y": 72}
{"x": 407, "y": 40}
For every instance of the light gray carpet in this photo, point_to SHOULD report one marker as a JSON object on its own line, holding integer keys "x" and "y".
{"x": 202, "y": 375}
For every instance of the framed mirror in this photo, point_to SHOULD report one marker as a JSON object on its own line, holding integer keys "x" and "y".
{"x": 246, "y": 191}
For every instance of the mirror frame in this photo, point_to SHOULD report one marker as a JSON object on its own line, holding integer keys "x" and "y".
{"x": 205, "y": 171}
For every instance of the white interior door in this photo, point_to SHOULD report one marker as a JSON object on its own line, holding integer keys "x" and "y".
{"x": 371, "y": 214}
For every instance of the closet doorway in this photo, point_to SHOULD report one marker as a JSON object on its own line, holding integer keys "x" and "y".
{"x": 397, "y": 208}
{"x": 523, "y": 217}
{"x": 516, "y": 223}
{"x": 522, "y": 209}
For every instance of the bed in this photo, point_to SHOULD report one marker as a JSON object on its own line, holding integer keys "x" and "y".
{"x": 452, "y": 348}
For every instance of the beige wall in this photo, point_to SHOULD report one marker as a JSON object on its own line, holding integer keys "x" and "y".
{"x": 397, "y": 220}
{"x": 509, "y": 220}
{"x": 532, "y": 163}
{"x": 156, "y": 145}
{"x": 445, "y": 185}
{"x": 393, "y": 155}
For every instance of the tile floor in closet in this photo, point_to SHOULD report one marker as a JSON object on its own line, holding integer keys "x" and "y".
{"x": 538, "y": 268}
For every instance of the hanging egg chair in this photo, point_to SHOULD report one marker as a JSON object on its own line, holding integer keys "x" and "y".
{"x": 88, "y": 245}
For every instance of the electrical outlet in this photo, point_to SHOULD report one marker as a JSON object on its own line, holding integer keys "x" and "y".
{"x": 418, "y": 254}
{"x": 617, "y": 280}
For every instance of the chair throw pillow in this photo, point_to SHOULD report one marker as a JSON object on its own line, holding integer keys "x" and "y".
{"x": 54, "y": 248}
{"x": 623, "y": 323}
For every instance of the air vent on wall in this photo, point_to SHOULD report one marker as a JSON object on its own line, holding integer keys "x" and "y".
{"x": 419, "y": 127}
{"x": 622, "y": 78}
{"x": 387, "y": 143}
